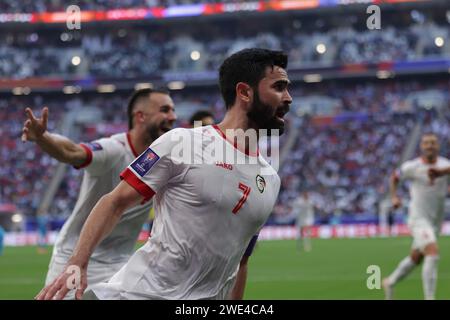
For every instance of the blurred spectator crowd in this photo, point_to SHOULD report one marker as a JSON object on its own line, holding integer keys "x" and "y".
{"x": 342, "y": 159}
{"x": 345, "y": 164}
{"x": 139, "y": 51}
{"x": 31, "y": 6}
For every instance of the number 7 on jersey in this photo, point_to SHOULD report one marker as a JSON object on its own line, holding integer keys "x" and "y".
{"x": 246, "y": 190}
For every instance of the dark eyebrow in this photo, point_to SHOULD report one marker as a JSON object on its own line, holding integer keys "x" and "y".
{"x": 166, "y": 106}
{"x": 283, "y": 81}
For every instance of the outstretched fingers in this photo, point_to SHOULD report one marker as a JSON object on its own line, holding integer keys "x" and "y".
{"x": 45, "y": 116}
{"x": 30, "y": 115}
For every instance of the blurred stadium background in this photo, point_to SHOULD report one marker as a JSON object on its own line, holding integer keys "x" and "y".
{"x": 361, "y": 100}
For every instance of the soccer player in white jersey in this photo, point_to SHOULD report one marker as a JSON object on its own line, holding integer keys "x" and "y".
{"x": 205, "y": 118}
{"x": 150, "y": 114}
{"x": 304, "y": 208}
{"x": 206, "y": 210}
{"x": 429, "y": 180}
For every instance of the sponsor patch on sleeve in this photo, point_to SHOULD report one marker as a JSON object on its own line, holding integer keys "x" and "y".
{"x": 94, "y": 146}
{"x": 145, "y": 162}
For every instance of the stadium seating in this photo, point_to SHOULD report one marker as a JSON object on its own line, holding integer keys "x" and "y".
{"x": 29, "y": 6}
{"x": 171, "y": 48}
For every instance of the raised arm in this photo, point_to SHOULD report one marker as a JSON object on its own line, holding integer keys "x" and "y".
{"x": 57, "y": 146}
{"x": 101, "y": 221}
{"x": 396, "y": 201}
{"x": 434, "y": 173}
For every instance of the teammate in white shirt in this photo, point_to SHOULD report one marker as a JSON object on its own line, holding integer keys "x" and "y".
{"x": 304, "y": 208}
{"x": 150, "y": 114}
{"x": 206, "y": 210}
{"x": 429, "y": 180}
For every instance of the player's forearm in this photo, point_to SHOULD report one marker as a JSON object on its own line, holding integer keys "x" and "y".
{"x": 99, "y": 224}
{"x": 61, "y": 148}
{"x": 237, "y": 293}
{"x": 393, "y": 185}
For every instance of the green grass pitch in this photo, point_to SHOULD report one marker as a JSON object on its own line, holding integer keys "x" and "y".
{"x": 334, "y": 269}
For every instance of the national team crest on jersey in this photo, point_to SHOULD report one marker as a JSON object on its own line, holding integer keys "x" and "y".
{"x": 260, "y": 183}
{"x": 145, "y": 162}
{"x": 94, "y": 146}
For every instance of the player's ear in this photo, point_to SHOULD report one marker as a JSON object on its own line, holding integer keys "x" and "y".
{"x": 139, "y": 116}
{"x": 244, "y": 92}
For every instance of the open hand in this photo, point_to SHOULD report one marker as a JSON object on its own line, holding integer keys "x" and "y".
{"x": 33, "y": 127}
{"x": 73, "y": 278}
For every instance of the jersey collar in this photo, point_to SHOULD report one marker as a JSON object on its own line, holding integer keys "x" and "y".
{"x": 234, "y": 144}
{"x": 131, "y": 145}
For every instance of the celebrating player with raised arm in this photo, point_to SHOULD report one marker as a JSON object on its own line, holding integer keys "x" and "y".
{"x": 429, "y": 184}
{"x": 150, "y": 114}
{"x": 206, "y": 210}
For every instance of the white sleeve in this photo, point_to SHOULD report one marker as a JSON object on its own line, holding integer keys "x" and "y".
{"x": 101, "y": 154}
{"x": 157, "y": 166}
{"x": 446, "y": 165}
{"x": 406, "y": 170}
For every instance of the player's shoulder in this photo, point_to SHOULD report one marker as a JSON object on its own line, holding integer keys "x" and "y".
{"x": 105, "y": 143}
{"x": 175, "y": 138}
{"x": 268, "y": 170}
{"x": 204, "y": 131}
{"x": 192, "y": 134}
{"x": 265, "y": 164}
{"x": 116, "y": 141}
{"x": 175, "y": 132}
{"x": 119, "y": 137}
{"x": 412, "y": 163}
{"x": 170, "y": 136}
{"x": 115, "y": 138}
{"x": 443, "y": 161}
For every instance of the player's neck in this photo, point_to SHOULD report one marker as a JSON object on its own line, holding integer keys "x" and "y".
{"x": 230, "y": 126}
{"x": 429, "y": 160}
{"x": 137, "y": 141}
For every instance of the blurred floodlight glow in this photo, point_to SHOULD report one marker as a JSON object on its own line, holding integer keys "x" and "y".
{"x": 321, "y": 48}
{"x": 64, "y": 36}
{"x": 176, "y": 85}
{"x": 106, "y": 88}
{"x": 311, "y": 78}
{"x": 439, "y": 41}
{"x": 16, "y": 218}
{"x": 71, "y": 89}
{"x": 76, "y": 60}
{"x": 384, "y": 74}
{"x": 143, "y": 85}
{"x": 195, "y": 55}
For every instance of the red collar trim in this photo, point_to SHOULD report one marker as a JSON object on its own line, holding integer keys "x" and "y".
{"x": 131, "y": 145}
{"x": 424, "y": 161}
{"x": 234, "y": 144}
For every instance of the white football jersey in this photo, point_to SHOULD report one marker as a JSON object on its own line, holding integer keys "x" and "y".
{"x": 107, "y": 157}
{"x": 427, "y": 199}
{"x": 207, "y": 210}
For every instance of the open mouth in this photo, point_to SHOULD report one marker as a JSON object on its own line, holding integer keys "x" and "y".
{"x": 281, "y": 113}
{"x": 280, "y": 118}
{"x": 165, "y": 129}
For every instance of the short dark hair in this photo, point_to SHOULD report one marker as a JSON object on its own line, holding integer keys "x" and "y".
{"x": 249, "y": 66}
{"x": 429, "y": 133}
{"x": 199, "y": 115}
{"x": 138, "y": 96}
